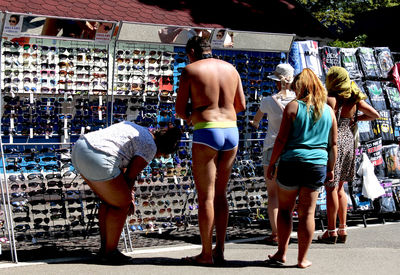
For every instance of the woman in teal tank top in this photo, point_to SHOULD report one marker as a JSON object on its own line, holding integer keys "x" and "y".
{"x": 306, "y": 146}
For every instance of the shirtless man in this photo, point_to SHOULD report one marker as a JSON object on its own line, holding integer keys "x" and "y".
{"x": 215, "y": 90}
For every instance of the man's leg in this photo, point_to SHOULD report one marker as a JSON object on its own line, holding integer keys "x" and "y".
{"x": 306, "y": 209}
{"x": 221, "y": 209}
{"x": 204, "y": 171}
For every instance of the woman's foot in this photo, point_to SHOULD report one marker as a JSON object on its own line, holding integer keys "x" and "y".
{"x": 277, "y": 258}
{"x": 304, "y": 264}
{"x": 329, "y": 237}
{"x": 342, "y": 233}
{"x": 272, "y": 239}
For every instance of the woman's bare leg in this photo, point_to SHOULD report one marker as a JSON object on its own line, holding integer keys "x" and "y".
{"x": 116, "y": 194}
{"x": 272, "y": 191}
{"x": 332, "y": 207}
{"x": 306, "y": 210}
{"x": 287, "y": 201}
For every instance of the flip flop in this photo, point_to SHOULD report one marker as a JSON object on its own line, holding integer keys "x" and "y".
{"x": 192, "y": 261}
{"x": 219, "y": 261}
{"x": 273, "y": 262}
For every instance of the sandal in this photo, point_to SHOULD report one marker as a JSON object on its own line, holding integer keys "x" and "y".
{"x": 342, "y": 237}
{"x": 330, "y": 239}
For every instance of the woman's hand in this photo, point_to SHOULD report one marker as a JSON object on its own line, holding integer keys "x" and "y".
{"x": 131, "y": 210}
{"x": 254, "y": 124}
{"x": 329, "y": 176}
{"x": 271, "y": 171}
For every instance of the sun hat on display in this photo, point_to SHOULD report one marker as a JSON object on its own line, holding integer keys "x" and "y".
{"x": 283, "y": 72}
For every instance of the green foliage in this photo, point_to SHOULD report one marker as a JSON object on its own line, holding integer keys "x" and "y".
{"x": 338, "y": 15}
{"x": 358, "y": 42}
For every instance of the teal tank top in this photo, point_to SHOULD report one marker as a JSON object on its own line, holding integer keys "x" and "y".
{"x": 308, "y": 139}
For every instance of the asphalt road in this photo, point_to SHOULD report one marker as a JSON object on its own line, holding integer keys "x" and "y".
{"x": 371, "y": 250}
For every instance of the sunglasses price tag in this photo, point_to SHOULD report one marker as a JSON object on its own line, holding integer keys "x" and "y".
{"x": 100, "y": 115}
{"x": 31, "y": 97}
{"x": 100, "y": 100}
{"x": 82, "y": 130}
{"x": 0, "y": 249}
{"x": 11, "y": 139}
{"x": 181, "y": 122}
{"x": 12, "y": 123}
{"x": 159, "y": 231}
{"x": 175, "y": 179}
{"x": 65, "y": 122}
{"x": 30, "y": 132}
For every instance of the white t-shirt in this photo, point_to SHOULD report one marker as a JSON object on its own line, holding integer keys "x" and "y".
{"x": 274, "y": 112}
{"x": 125, "y": 140}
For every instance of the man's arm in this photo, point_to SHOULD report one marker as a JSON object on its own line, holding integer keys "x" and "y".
{"x": 240, "y": 100}
{"x": 182, "y": 97}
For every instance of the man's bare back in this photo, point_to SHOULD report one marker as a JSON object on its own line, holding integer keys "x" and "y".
{"x": 215, "y": 89}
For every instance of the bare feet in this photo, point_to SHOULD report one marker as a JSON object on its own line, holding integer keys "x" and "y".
{"x": 218, "y": 256}
{"x": 304, "y": 264}
{"x": 198, "y": 260}
{"x": 277, "y": 257}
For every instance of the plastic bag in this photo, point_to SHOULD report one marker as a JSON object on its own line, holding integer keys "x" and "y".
{"x": 371, "y": 186}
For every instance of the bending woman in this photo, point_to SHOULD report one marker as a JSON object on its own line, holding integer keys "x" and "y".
{"x": 306, "y": 145}
{"x": 345, "y": 98}
{"x": 109, "y": 160}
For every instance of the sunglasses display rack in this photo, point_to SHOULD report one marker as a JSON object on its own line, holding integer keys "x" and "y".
{"x": 53, "y": 91}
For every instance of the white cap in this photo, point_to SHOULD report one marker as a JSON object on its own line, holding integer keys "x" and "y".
{"x": 283, "y": 72}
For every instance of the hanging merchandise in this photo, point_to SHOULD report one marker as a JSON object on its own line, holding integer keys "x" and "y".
{"x": 368, "y": 63}
{"x": 349, "y": 62}
{"x": 392, "y": 95}
{"x": 396, "y": 125}
{"x": 392, "y": 160}
{"x": 375, "y": 93}
{"x": 382, "y": 126}
{"x": 330, "y": 56}
{"x": 371, "y": 187}
{"x": 384, "y": 60}
{"x": 309, "y": 56}
{"x": 295, "y": 58}
{"x": 365, "y": 131}
{"x": 374, "y": 152}
{"x": 385, "y": 203}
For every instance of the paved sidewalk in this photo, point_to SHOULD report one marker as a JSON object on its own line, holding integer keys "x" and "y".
{"x": 371, "y": 250}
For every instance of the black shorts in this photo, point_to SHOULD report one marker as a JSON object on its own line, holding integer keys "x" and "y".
{"x": 293, "y": 174}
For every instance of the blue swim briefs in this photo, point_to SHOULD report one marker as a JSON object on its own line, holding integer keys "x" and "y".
{"x": 221, "y": 136}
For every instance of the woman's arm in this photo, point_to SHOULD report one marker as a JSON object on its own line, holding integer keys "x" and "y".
{"x": 256, "y": 119}
{"x": 289, "y": 114}
{"x": 332, "y": 149}
{"x": 135, "y": 167}
{"x": 369, "y": 113}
